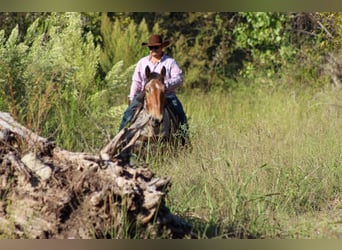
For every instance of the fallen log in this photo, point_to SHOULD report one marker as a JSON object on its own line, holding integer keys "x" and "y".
{"x": 48, "y": 192}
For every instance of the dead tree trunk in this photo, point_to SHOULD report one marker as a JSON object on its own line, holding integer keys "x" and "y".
{"x": 48, "y": 192}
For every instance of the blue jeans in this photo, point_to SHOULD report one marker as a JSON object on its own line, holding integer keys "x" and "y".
{"x": 130, "y": 111}
{"x": 177, "y": 108}
{"x": 172, "y": 101}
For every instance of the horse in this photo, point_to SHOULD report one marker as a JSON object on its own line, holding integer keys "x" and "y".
{"x": 153, "y": 123}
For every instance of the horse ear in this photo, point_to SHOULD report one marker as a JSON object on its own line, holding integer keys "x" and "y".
{"x": 147, "y": 71}
{"x": 163, "y": 71}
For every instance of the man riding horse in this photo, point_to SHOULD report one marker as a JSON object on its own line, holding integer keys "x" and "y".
{"x": 173, "y": 79}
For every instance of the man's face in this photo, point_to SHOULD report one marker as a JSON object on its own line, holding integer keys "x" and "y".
{"x": 155, "y": 50}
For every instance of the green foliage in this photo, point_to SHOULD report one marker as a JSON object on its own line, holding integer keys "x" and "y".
{"x": 12, "y": 65}
{"x": 122, "y": 41}
{"x": 56, "y": 68}
{"x": 62, "y": 68}
{"x": 106, "y": 106}
{"x": 263, "y": 36}
{"x": 331, "y": 30}
{"x": 314, "y": 36}
{"x": 265, "y": 152}
{"x": 9, "y": 20}
{"x": 50, "y": 75}
{"x": 195, "y": 48}
{"x": 214, "y": 49}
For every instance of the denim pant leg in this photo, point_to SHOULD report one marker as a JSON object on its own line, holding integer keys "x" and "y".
{"x": 128, "y": 114}
{"x": 177, "y": 107}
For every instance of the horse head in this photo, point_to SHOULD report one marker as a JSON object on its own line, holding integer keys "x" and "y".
{"x": 154, "y": 95}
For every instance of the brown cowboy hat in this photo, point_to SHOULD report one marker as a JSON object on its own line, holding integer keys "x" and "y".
{"x": 156, "y": 40}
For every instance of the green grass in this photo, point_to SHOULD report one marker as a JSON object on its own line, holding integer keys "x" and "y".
{"x": 264, "y": 164}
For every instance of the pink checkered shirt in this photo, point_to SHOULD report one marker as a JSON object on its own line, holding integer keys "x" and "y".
{"x": 173, "y": 78}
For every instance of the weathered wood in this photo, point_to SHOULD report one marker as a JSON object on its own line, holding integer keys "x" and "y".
{"x": 128, "y": 138}
{"x": 48, "y": 192}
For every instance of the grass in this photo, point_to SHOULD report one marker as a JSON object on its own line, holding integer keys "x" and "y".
{"x": 264, "y": 164}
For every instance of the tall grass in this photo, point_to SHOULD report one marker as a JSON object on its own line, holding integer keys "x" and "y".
{"x": 261, "y": 159}
{"x": 264, "y": 163}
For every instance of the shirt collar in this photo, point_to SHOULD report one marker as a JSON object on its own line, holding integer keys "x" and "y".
{"x": 160, "y": 60}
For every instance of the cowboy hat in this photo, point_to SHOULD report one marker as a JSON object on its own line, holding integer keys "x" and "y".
{"x": 156, "y": 40}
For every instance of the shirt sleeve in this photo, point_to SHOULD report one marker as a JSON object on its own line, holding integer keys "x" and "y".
{"x": 175, "y": 79}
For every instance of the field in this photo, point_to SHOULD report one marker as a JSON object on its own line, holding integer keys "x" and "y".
{"x": 263, "y": 164}
{"x": 266, "y": 154}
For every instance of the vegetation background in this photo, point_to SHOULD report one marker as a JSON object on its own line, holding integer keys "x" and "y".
{"x": 261, "y": 90}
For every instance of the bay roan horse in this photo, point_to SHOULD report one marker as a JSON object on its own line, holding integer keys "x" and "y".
{"x": 152, "y": 123}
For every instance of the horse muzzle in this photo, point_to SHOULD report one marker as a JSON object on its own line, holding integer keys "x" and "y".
{"x": 156, "y": 121}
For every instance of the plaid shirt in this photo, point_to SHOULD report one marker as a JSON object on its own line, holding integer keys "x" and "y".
{"x": 173, "y": 78}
